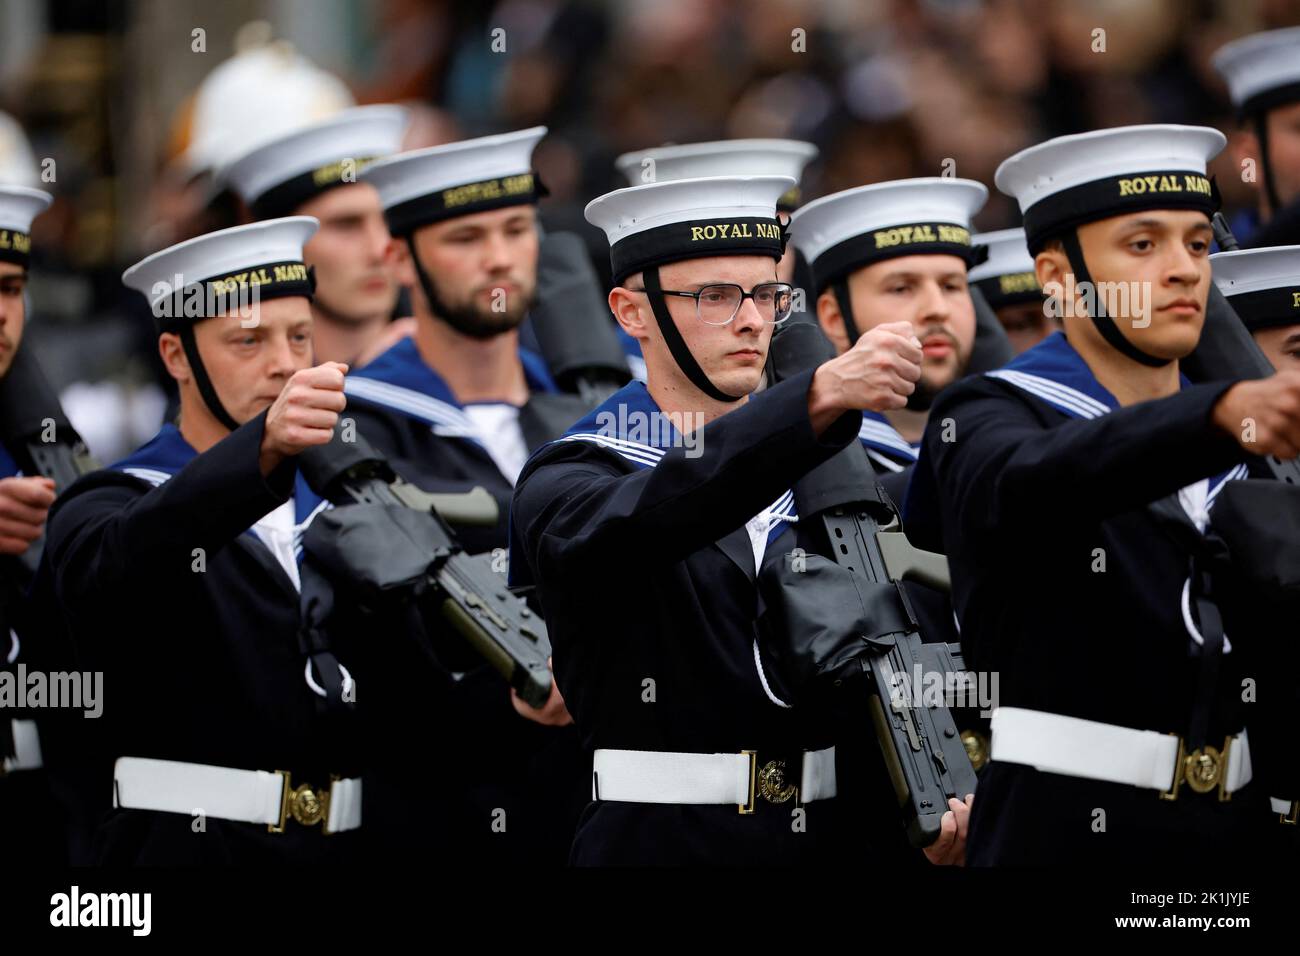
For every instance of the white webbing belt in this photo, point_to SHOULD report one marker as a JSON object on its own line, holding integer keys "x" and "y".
{"x": 651, "y": 776}
{"x": 1086, "y": 748}
{"x": 245, "y": 796}
{"x": 1287, "y": 809}
{"x": 27, "y": 747}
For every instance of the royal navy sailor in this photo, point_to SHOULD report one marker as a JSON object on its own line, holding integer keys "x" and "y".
{"x": 1091, "y": 467}
{"x": 457, "y": 405}
{"x": 233, "y": 735}
{"x": 1262, "y": 72}
{"x": 314, "y": 172}
{"x": 726, "y": 157}
{"x": 29, "y": 825}
{"x": 1007, "y": 281}
{"x": 896, "y": 254}
{"x": 644, "y": 529}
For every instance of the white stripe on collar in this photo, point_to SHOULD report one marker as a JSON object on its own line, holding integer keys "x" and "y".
{"x": 447, "y": 420}
{"x": 885, "y": 434}
{"x": 884, "y": 462}
{"x": 1236, "y": 474}
{"x": 634, "y": 452}
{"x": 1067, "y": 399}
{"x": 154, "y": 478}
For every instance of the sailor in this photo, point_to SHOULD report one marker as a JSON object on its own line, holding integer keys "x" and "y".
{"x": 896, "y": 252}
{"x": 1262, "y": 72}
{"x": 29, "y": 825}
{"x": 1075, "y": 487}
{"x": 233, "y": 737}
{"x": 457, "y": 405}
{"x": 1263, "y": 288}
{"x": 314, "y": 172}
{"x": 645, "y": 526}
{"x": 1008, "y": 283}
{"x": 727, "y": 157}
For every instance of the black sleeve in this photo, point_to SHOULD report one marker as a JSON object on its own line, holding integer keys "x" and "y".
{"x": 996, "y": 456}
{"x": 109, "y": 535}
{"x": 587, "y": 510}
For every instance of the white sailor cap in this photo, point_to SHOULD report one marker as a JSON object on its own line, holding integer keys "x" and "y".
{"x": 727, "y": 157}
{"x": 1262, "y": 70}
{"x": 17, "y": 161}
{"x": 202, "y": 277}
{"x": 429, "y": 185}
{"x": 255, "y": 96}
{"x": 1263, "y": 285}
{"x": 18, "y": 207}
{"x": 1007, "y": 276}
{"x": 278, "y": 177}
{"x": 663, "y": 222}
{"x": 1071, "y": 180}
{"x": 845, "y": 231}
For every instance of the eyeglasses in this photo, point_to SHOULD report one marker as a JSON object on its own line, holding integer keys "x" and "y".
{"x": 719, "y": 304}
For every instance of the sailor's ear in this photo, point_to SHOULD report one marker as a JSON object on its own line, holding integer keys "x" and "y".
{"x": 173, "y": 356}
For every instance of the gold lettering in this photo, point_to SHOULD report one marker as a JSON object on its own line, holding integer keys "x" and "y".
{"x": 1018, "y": 282}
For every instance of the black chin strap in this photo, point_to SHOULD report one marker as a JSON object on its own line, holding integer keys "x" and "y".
{"x": 676, "y": 344}
{"x": 1105, "y": 325}
{"x": 1270, "y": 192}
{"x": 841, "y": 289}
{"x": 201, "y": 379}
{"x": 429, "y": 295}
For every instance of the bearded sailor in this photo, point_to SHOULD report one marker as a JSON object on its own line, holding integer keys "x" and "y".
{"x": 896, "y": 253}
{"x": 234, "y": 737}
{"x": 699, "y": 756}
{"x": 1091, "y": 467}
{"x": 457, "y": 405}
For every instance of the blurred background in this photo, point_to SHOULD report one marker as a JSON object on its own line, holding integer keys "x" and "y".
{"x": 120, "y": 107}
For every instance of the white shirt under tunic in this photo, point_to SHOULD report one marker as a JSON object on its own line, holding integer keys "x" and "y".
{"x": 276, "y": 531}
{"x": 496, "y": 425}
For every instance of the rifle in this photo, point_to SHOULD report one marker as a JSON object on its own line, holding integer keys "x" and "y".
{"x": 38, "y": 435}
{"x": 855, "y": 616}
{"x": 34, "y": 428}
{"x": 391, "y": 540}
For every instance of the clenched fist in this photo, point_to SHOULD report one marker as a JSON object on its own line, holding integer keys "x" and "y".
{"x": 304, "y": 414}
{"x": 24, "y": 503}
{"x": 876, "y": 374}
{"x": 1264, "y": 415}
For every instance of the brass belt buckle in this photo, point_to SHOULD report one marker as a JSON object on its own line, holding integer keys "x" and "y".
{"x": 977, "y": 748}
{"x": 768, "y": 782}
{"x": 748, "y": 806}
{"x": 1204, "y": 769}
{"x": 307, "y": 805}
{"x": 1291, "y": 817}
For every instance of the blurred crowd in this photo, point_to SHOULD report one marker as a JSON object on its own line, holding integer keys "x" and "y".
{"x": 122, "y": 108}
